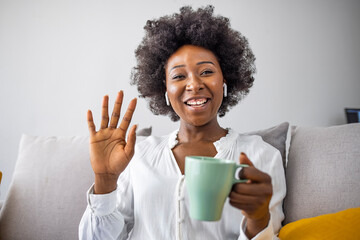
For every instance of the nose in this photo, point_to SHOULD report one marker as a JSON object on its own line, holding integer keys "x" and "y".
{"x": 194, "y": 83}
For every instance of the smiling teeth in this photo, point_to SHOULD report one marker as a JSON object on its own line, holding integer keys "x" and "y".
{"x": 196, "y": 102}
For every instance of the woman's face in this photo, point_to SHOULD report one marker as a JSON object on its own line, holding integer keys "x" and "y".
{"x": 194, "y": 83}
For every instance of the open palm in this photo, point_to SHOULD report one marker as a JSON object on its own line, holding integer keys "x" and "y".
{"x": 110, "y": 153}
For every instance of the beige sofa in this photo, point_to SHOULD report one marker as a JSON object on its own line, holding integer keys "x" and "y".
{"x": 47, "y": 196}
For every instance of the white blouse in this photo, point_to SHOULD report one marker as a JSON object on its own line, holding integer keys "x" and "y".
{"x": 151, "y": 200}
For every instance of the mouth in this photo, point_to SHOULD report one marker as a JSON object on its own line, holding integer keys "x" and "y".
{"x": 197, "y": 102}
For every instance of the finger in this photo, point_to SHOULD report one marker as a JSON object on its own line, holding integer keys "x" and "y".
{"x": 130, "y": 145}
{"x": 254, "y": 175}
{"x": 245, "y": 160}
{"x": 241, "y": 198}
{"x": 245, "y": 203}
{"x": 246, "y": 207}
{"x": 127, "y": 117}
{"x": 104, "y": 112}
{"x": 116, "y": 111}
{"x": 253, "y": 189}
{"x": 90, "y": 122}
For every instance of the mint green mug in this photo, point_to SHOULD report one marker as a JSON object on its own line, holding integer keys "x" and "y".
{"x": 209, "y": 181}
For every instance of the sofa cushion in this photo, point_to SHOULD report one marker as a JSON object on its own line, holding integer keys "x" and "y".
{"x": 144, "y": 132}
{"x": 341, "y": 225}
{"x": 323, "y": 171}
{"x": 276, "y": 137}
{"x": 47, "y": 195}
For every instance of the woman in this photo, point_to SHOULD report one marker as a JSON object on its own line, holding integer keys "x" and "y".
{"x": 191, "y": 66}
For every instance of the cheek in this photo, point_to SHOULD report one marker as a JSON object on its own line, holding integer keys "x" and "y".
{"x": 217, "y": 88}
{"x": 173, "y": 90}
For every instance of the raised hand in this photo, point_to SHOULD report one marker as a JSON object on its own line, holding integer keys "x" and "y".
{"x": 252, "y": 197}
{"x": 110, "y": 153}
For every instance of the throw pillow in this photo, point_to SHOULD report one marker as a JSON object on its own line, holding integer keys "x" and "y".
{"x": 341, "y": 225}
{"x": 144, "y": 132}
{"x": 323, "y": 171}
{"x": 276, "y": 137}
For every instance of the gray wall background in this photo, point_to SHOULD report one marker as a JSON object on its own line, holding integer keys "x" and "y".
{"x": 58, "y": 58}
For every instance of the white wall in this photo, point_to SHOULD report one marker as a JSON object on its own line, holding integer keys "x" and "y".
{"x": 58, "y": 58}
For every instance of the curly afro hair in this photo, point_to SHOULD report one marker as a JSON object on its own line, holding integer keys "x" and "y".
{"x": 165, "y": 35}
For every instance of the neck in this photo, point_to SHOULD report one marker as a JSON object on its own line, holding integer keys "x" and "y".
{"x": 209, "y": 132}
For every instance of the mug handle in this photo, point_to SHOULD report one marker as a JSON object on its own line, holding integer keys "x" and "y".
{"x": 238, "y": 168}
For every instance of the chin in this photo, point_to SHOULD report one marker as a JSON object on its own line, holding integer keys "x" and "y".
{"x": 198, "y": 121}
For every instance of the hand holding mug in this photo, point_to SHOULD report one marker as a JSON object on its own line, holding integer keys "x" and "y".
{"x": 252, "y": 197}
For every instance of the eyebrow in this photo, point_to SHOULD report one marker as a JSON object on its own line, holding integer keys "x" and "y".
{"x": 199, "y": 63}
{"x": 204, "y": 62}
{"x": 177, "y": 67}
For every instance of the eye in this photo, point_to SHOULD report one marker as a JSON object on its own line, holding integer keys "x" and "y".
{"x": 206, "y": 72}
{"x": 178, "y": 77}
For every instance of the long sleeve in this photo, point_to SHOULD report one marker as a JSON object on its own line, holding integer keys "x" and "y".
{"x": 101, "y": 220}
{"x": 108, "y": 216}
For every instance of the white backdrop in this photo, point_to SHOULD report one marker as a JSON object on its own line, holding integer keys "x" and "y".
{"x": 58, "y": 58}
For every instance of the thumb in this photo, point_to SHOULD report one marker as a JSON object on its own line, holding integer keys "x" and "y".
{"x": 131, "y": 139}
{"x": 245, "y": 160}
